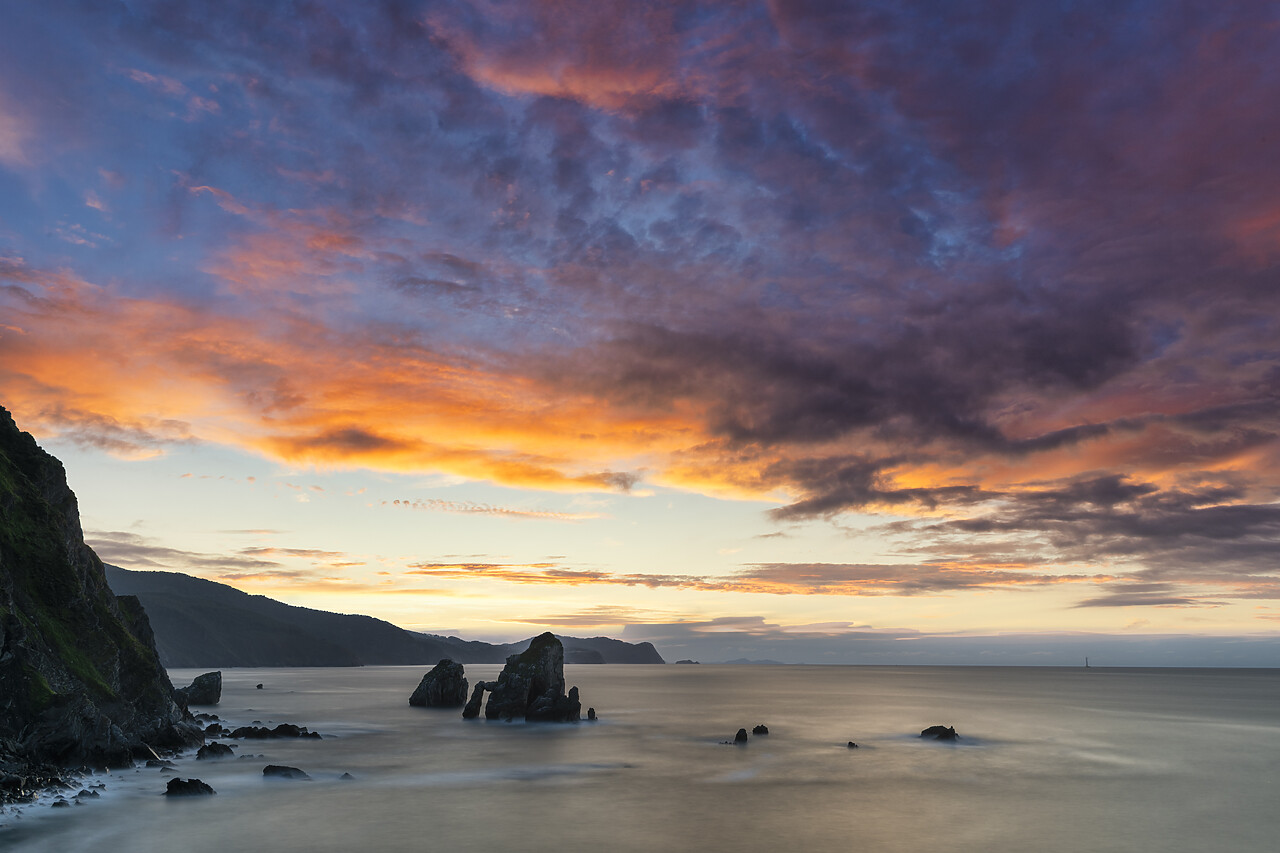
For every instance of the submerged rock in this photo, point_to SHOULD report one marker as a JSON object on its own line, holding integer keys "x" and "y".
{"x": 283, "y": 772}
{"x": 531, "y": 686}
{"x": 187, "y": 788}
{"x": 445, "y": 686}
{"x": 940, "y": 733}
{"x": 284, "y": 730}
{"x": 852, "y": 745}
{"x": 205, "y": 690}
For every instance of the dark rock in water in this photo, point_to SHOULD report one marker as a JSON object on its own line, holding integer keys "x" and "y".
{"x": 940, "y": 733}
{"x": 187, "y": 788}
{"x": 205, "y": 690}
{"x": 761, "y": 729}
{"x": 85, "y": 793}
{"x": 61, "y": 804}
{"x": 283, "y": 772}
{"x": 852, "y": 745}
{"x": 346, "y": 777}
{"x": 284, "y": 730}
{"x": 741, "y": 736}
{"x": 591, "y": 714}
{"x": 473, "y": 704}
{"x": 532, "y": 686}
{"x": 79, "y": 674}
{"x": 214, "y": 750}
{"x": 214, "y": 730}
{"x": 687, "y": 661}
{"x": 259, "y": 687}
{"x": 445, "y": 686}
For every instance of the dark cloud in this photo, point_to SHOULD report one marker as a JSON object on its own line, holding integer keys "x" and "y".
{"x": 1011, "y": 264}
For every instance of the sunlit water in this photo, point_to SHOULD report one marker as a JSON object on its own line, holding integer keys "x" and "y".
{"x": 1049, "y": 760}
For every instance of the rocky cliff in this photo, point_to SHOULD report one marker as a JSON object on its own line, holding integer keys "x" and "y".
{"x": 80, "y": 680}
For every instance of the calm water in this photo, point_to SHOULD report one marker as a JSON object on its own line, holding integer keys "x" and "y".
{"x": 1049, "y": 760}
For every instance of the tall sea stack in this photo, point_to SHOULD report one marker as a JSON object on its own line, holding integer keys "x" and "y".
{"x": 80, "y": 679}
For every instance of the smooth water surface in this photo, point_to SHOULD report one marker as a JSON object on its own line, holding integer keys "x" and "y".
{"x": 1048, "y": 760}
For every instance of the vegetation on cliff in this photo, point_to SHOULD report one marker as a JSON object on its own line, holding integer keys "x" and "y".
{"x": 80, "y": 680}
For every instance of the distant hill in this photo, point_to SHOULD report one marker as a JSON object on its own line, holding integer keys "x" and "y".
{"x": 200, "y": 623}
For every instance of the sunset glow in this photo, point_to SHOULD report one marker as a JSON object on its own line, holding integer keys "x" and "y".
{"x": 487, "y": 318}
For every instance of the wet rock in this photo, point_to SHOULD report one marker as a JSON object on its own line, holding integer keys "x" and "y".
{"x": 591, "y": 715}
{"x": 852, "y": 745}
{"x": 61, "y": 804}
{"x": 472, "y": 710}
{"x": 531, "y": 686}
{"x": 187, "y": 788}
{"x": 281, "y": 771}
{"x": 761, "y": 729}
{"x": 214, "y": 750}
{"x": 346, "y": 777}
{"x": 259, "y": 687}
{"x": 939, "y": 733}
{"x": 86, "y": 794}
{"x": 205, "y": 690}
{"x": 445, "y": 686}
{"x": 741, "y": 736}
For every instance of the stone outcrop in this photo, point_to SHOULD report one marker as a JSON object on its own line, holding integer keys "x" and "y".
{"x": 741, "y": 736}
{"x": 205, "y": 690}
{"x": 80, "y": 680}
{"x": 939, "y": 733}
{"x": 445, "y": 686}
{"x": 761, "y": 729}
{"x": 532, "y": 686}
{"x": 473, "y": 704}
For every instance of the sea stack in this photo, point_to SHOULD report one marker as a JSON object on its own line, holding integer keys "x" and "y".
{"x": 80, "y": 676}
{"x": 445, "y": 686}
{"x": 532, "y": 686}
{"x": 205, "y": 690}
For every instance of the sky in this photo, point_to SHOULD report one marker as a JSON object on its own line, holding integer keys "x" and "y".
{"x": 825, "y": 332}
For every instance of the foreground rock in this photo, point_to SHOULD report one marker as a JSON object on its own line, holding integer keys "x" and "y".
{"x": 939, "y": 733}
{"x": 532, "y": 686}
{"x": 205, "y": 690}
{"x": 188, "y": 788}
{"x": 741, "y": 736}
{"x": 80, "y": 679}
{"x": 445, "y": 686}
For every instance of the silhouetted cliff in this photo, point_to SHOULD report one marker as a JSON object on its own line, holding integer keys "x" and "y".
{"x": 80, "y": 680}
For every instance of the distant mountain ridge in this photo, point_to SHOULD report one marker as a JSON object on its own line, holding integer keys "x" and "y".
{"x": 200, "y": 623}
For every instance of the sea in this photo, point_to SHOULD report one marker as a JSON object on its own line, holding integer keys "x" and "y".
{"x": 1047, "y": 759}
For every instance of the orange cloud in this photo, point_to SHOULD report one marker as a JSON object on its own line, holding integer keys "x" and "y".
{"x": 777, "y": 578}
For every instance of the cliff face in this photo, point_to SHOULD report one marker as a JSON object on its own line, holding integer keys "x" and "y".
{"x": 80, "y": 680}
